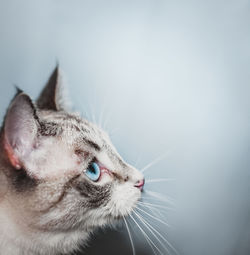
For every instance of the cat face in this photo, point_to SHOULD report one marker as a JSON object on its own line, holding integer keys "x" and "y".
{"x": 63, "y": 172}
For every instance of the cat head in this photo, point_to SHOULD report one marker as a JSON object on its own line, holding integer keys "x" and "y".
{"x": 63, "y": 172}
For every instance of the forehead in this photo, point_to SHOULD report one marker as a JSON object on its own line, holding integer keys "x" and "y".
{"x": 73, "y": 128}
{"x": 81, "y": 134}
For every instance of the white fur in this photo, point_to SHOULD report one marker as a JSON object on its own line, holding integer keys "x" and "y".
{"x": 52, "y": 159}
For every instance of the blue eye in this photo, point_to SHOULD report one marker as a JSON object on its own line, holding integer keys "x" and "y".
{"x": 93, "y": 172}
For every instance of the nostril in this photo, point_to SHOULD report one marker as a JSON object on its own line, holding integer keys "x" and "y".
{"x": 139, "y": 184}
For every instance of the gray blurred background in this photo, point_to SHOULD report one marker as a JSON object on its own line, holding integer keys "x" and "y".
{"x": 161, "y": 76}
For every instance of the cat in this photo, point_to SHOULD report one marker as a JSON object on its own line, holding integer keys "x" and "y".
{"x": 60, "y": 176}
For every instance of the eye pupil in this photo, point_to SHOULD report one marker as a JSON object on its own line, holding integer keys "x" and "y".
{"x": 93, "y": 171}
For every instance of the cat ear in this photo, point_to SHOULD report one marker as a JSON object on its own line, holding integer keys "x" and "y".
{"x": 53, "y": 95}
{"x": 20, "y": 129}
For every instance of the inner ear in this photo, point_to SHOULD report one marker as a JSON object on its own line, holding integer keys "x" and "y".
{"x": 52, "y": 96}
{"x": 20, "y": 129}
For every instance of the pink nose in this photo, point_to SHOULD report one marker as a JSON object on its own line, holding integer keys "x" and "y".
{"x": 139, "y": 184}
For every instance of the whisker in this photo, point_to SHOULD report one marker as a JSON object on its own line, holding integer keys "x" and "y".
{"x": 160, "y": 180}
{"x": 155, "y": 205}
{"x": 137, "y": 161}
{"x": 106, "y": 121}
{"x": 102, "y": 115}
{"x": 153, "y": 217}
{"x": 130, "y": 236}
{"x": 113, "y": 132}
{"x": 160, "y": 196}
{"x": 153, "y": 231}
{"x": 154, "y": 211}
{"x": 93, "y": 118}
{"x": 145, "y": 198}
{"x": 154, "y": 161}
{"x": 144, "y": 234}
{"x": 150, "y": 242}
{"x": 163, "y": 238}
{"x": 100, "y": 124}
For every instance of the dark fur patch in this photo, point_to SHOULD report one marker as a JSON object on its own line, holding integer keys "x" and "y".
{"x": 92, "y": 144}
{"x": 48, "y": 129}
{"x": 96, "y": 195}
{"x": 77, "y": 128}
{"x": 22, "y": 182}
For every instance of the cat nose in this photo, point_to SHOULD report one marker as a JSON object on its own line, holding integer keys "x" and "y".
{"x": 139, "y": 184}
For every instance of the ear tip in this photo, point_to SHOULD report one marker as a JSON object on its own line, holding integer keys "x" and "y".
{"x": 57, "y": 63}
{"x": 19, "y": 96}
{"x": 21, "y": 100}
{"x": 18, "y": 90}
{"x": 53, "y": 95}
{"x": 57, "y": 74}
{"x": 57, "y": 68}
{"x": 23, "y": 96}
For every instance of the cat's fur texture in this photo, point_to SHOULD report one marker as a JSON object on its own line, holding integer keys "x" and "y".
{"x": 47, "y": 203}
